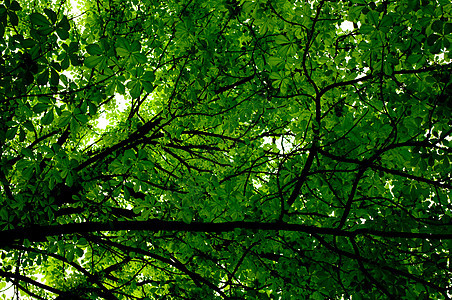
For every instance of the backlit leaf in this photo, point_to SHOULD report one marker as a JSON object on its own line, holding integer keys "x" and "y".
{"x": 38, "y": 19}
{"x": 93, "y": 61}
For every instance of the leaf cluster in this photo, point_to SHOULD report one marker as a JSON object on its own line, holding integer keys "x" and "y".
{"x": 253, "y": 149}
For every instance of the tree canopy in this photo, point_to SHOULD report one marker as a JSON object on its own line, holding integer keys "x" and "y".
{"x": 254, "y": 149}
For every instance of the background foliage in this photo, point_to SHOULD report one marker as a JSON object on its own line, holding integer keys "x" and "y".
{"x": 264, "y": 152}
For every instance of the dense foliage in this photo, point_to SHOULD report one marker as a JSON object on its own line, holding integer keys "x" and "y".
{"x": 265, "y": 149}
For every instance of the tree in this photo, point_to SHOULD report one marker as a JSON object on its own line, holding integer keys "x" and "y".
{"x": 266, "y": 149}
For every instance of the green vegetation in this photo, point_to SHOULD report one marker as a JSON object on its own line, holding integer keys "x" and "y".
{"x": 254, "y": 149}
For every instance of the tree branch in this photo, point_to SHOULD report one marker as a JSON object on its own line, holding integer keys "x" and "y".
{"x": 39, "y": 233}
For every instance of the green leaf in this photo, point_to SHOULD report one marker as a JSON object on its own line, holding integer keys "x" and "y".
{"x": 40, "y": 107}
{"x": 75, "y": 61}
{"x": 135, "y": 89}
{"x": 62, "y": 33}
{"x": 139, "y": 58}
{"x": 110, "y": 90}
{"x": 65, "y": 117}
{"x": 437, "y": 26}
{"x": 388, "y": 69}
{"x": 137, "y": 72}
{"x": 92, "y": 61}
{"x": 21, "y": 135}
{"x": 94, "y": 49}
{"x": 48, "y": 118}
{"x": 445, "y": 42}
{"x": 122, "y": 51}
{"x": 365, "y": 29}
{"x": 81, "y": 118}
{"x": 281, "y": 39}
{"x": 43, "y": 78}
{"x": 70, "y": 255}
{"x": 373, "y": 18}
{"x": 51, "y": 15}
{"x": 40, "y": 20}
{"x": 64, "y": 24}
{"x": 82, "y": 242}
{"x": 73, "y": 47}
{"x": 56, "y": 66}
{"x": 120, "y": 88}
{"x": 15, "y": 6}
{"x": 28, "y": 78}
{"x": 28, "y": 43}
{"x": 74, "y": 125}
{"x": 436, "y": 48}
{"x": 187, "y": 216}
{"x": 65, "y": 63}
{"x": 275, "y": 61}
{"x": 27, "y": 152}
{"x": 122, "y": 42}
{"x": 92, "y": 108}
{"x": 432, "y": 39}
{"x": 84, "y": 107}
{"x": 276, "y": 75}
{"x": 148, "y": 87}
{"x": 45, "y": 30}
{"x": 69, "y": 180}
{"x": 79, "y": 252}
{"x": 28, "y": 125}
{"x": 11, "y": 133}
{"x": 448, "y": 28}
{"x": 149, "y": 76}
{"x": 135, "y": 47}
{"x": 387, "y": 21}
{"x": 54, "y": 77}
{"x": 13, "y": 19}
